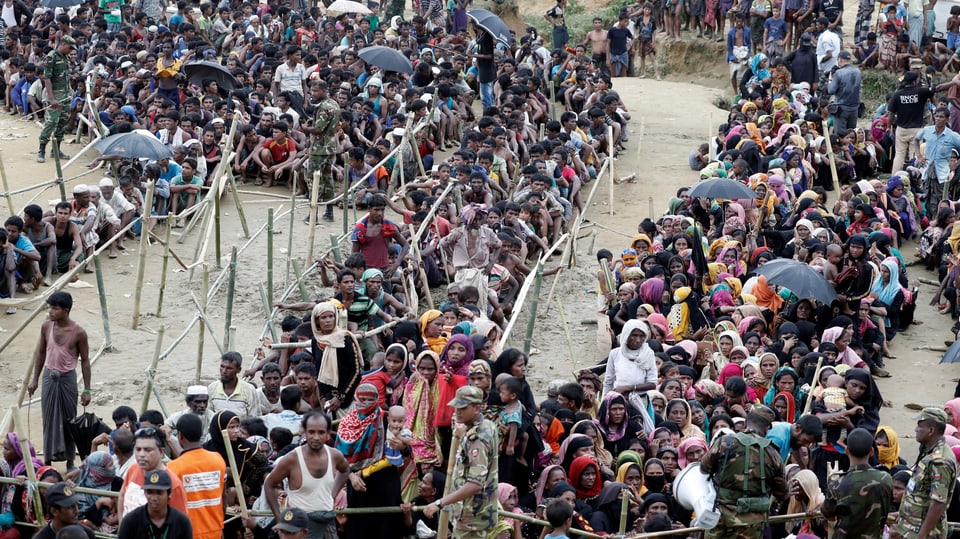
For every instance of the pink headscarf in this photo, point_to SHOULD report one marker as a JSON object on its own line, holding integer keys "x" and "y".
{"x": 685, "y": 446}
{"x": 660, "y": 321}
{"x": 848, "y": 356}
{"x": 954, "y": 406}
{"x": 729, "y": 371}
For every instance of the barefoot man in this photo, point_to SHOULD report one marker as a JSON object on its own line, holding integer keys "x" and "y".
{"x": 597, "y": 40}
{"x": 61, "y": 341}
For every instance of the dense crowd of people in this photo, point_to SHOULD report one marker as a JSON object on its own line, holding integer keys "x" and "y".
{"x": 709, "y": 363}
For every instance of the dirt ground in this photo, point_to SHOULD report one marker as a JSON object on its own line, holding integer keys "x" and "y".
{"x": 674, "y": 118}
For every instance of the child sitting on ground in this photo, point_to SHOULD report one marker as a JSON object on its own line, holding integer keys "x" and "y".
{"x": 836, "y": 399}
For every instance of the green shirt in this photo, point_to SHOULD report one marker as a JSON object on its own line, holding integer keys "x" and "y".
{"x": 56, "y": 69}
{"x": 107, "y": 7}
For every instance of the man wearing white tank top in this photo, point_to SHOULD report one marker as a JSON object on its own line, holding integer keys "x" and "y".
{"x": 311, "y": 480}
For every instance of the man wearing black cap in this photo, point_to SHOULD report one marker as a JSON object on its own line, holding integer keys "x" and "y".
{"x": 906, "y": 113}
{"x": 157, "y": 518}
{"x": 292, "y": 524}
{"x": 62, "y": 504}
{"x": 923, "y": 508}
{"x": 845, "y": 88}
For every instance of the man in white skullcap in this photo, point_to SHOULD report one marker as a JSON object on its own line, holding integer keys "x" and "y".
{"x": 123, "y": 208}
{"x": 197, "y": 399}
{"x": 108, "y": 224}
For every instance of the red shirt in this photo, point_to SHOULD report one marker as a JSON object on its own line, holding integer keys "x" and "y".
{"x": 280, "y": 152}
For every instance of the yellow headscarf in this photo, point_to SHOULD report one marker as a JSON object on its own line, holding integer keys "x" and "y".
{"x": 889, "y": 456}
{"x": 680, "y": 313}
{"x": 954, "y": 239}
{"x": 622, "y": 475}
{"x": 435, "y": 344}
{"x": 645, "y": 238}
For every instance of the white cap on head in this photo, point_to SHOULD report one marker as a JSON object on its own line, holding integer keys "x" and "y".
{"x": 106, "y": 182}
{"x": 94, "y": 189}
{"x": 194, "y": 391}
{"x": 80, "y": 189}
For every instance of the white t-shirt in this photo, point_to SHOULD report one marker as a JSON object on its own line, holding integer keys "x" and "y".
{"x": 9, "y": 15}
{"x": 290, "y": 80}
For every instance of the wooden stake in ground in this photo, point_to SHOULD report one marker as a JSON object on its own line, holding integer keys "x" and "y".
{"x": 532, "y": 317}
{"x": 611, "y": 146}
{"x": 6, "y": 186}
{"x": 231, "y": 288}
{"x": 163, "y": 267}
{"x": 152, "y": 371}
{"x": 312, "y": 220}
{"x": 204, "y": 290}
{"x": 444, "y": 528}
{"x": 102, "y": 293}
{"x": 142, "y": 263}
{"x": 269, "y": 258}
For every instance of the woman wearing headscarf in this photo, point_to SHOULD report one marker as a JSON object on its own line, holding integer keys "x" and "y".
{"x": 840, "y": 337}
{"x": 686, "y": 318}
{"x": 901, "y": 212}
{"x": 421, "y": 401}
{"x": 807, "y": 499}
{"x": 889, "y": 296}
{"x": 888, "y": 447}
{"x": 615, "y": 426}
{"x": 786, "y": 380}
{"x": 361, "y": 436}
{"x": 337, "y": 355}
{"x": 96, "y": 472}
{"x": 604, "y": 458}
{"x": 431, "y": 329}
{"x": 632, "y": 368}
{"x": 585, "y": 477}
{"x": 575, "y": 445}
{"x": 252, "y": 465}
{"x": 678, "y": 411}
{"x": 785, "y": 406}
{"x": 581, "y": 510}
{"x": 855, "y": 275}
{"x": 391, "y": 378}
{"x": 863, "y": 391}
{"x": 766, "y": 296}
{"x": 606, "y": 516}
{"x": 13, "y": 456}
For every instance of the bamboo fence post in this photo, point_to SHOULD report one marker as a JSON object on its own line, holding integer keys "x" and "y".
{"x": 268, "y": 312}
{"x": 553, "y": 288}
{"x": 102, "y": 293}
{"x": 346, "y": 201}
{"x": 144, "y": 244}
{"x": 566, "y": 334}
{"x": 335, "y": 248}
{"x": 293, "y": 222}
{"x": 314, "y": 208}
{"x": 833, "y": 164}
{"x": 199, "y": 216}
{"x": 532, "y": 317}
{"x": 204, "y": 289}
{"x": 216, "y": 225}
{"x": 444, "y": 528}
{"x": 269, "y": 258}
{"x": 415, "y": 249}
{"x": 55, "y": 150}
{"x": 624, "y": 510}
{"x": 816, "y": 382}
{"x": 304, "y": 295}
{"x": 163, "y": 269}
{"x": 235, "y": 473}
{"x": 231, "y": 289}
{"x": 611, "y": 145}
{"x": 6, "y": 186}
{"x": 231, "y": 182}
{"x": 153, "y": 369}
{"x": 31, "y": 473}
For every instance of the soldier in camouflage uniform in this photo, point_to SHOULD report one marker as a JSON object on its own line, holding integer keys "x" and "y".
{"x": 475, "y": 476}
{"x": 56, "y": 90}
{"x": 745, "y": 467}
{"x": 859, "y": 499}
{"x": 923, "y": 508}
{"x": 323, "y": 152}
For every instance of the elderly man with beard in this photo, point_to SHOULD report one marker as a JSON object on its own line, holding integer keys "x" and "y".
{"x": 473, "y": 245}
{"x": 198, "y": 400}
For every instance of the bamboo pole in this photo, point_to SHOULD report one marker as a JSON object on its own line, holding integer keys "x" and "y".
{"x": 267, "y": 311}
{"x": 346, "y": 199}
{"x": 611, "y": 145}
{"x": 216, "y": 228}
{"x": 312, "y": 219}
{"x": 269, "y": 258}
{"x": 163, "y": 270}
{"x": 235, "y": 473}
{"x": 444, "y": 528}
{"x": 153, "y": 369}
{"x": 6, "y": 186}
{"x": 335, "y": 248}
{"x": 415, "y": 249}
{"x": 521, "y": 296}
{"x": 201, "y": 210}
{"x": 566, "y": 334}
{"x": 231, "y": 288}
{"x": 532, "y": 317}
{"x": 204, "y": 290}
{"x": 102, "y": 293}
{"x": 304, "y": 295}
{"x": 293, "y": 222}
{"x": 624, "y": 510}
{"x": 816, "y": 382}
{"x": 55, "y": 150}
{"x": 833, "y": 164}
{"x": 144, "y": 244}
{"x": 232, "y": 184}
{"x": 31, "y": 473}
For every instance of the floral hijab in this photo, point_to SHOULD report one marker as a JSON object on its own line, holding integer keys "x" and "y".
{"x": 362, "y": 433}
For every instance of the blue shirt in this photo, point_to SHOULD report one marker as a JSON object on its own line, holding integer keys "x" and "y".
{"x": 938, "y": 151}
{"x": 779, "y": 434}
{"x": 776, "y": 29}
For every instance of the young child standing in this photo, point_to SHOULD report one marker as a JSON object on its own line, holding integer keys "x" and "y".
{"x": 647, "y": 28}
{"x": 560, "y": 516}
{"x": 953, "y": 28}
{"x": 510, "y": 419}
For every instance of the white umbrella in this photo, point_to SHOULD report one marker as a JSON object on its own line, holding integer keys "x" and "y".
{"x": 349, "y": 6}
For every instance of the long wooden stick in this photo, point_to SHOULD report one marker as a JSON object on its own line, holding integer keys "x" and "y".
{"x": 611, "y": 145}
{"x": 269, "y": 257}
{"x": 444, "y": 528}
{"x": 231, "y": 288}
{"x": 235, "y": 473}
{"x": 31, "y": 473}
{"x": 144, "y": 244}
{"x": 204, "y": 290}
{"x": 163, "y": 270}
{"x": 102, "y": 293}
{"x": 153, "y": 369}
{"x": 312, "y": 222}
{"x": 521, "y": 296}
{"x": 6, "y": 187}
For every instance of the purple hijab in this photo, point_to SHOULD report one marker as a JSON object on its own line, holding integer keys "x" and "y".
{"x": 20, "y": 468}
{"x": 461, "y": 367}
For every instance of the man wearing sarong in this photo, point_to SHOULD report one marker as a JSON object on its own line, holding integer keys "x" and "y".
{"x": 62, "y": 341}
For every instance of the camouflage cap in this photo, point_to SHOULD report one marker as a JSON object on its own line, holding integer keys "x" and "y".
{"x": 762, "y": 412}
{"x": 69, "y": 41}
{"x": 466, "y": 396}
{"x": 930, "y": 413}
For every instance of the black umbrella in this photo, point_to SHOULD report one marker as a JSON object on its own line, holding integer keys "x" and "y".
{"x": 84, "y": 428}
{"x": 721, "y": 188}
{"x": 197, "y": 72}
{"x": 491, "y": 23}
{"x": 387, "y": 59}
{"x": 800, "y": 278}
{"x": 139, "y": 144}
{"x": 952, "y": 355}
